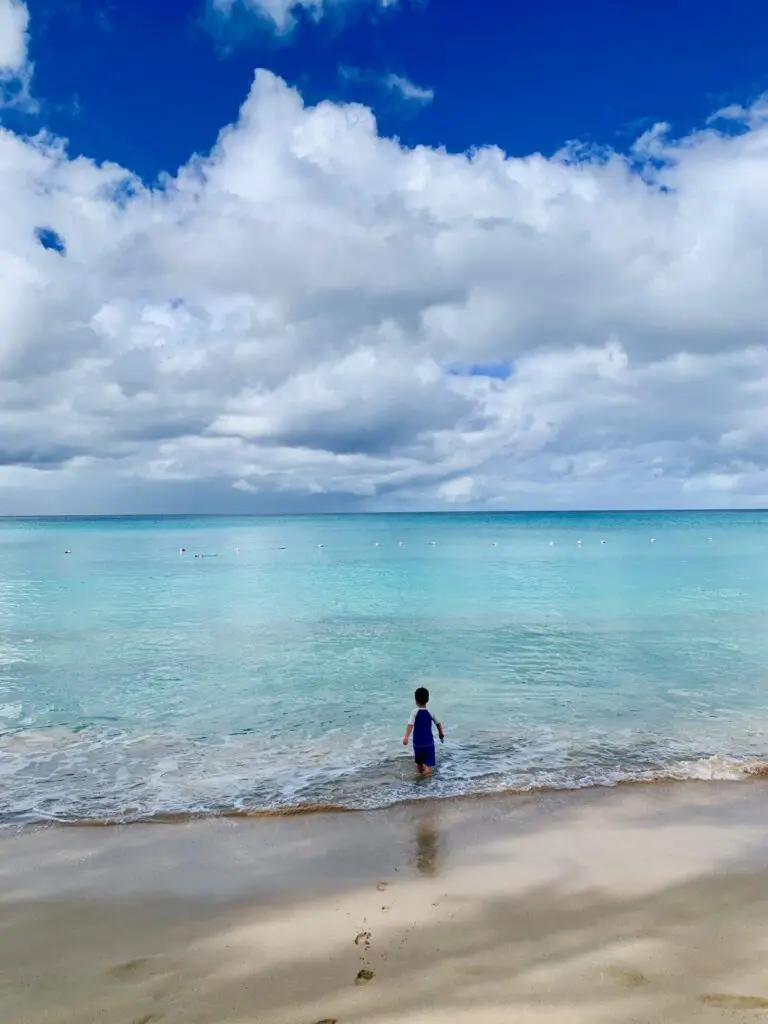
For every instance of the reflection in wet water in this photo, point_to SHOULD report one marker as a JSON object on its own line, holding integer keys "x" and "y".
{"x": 427, "y": 844}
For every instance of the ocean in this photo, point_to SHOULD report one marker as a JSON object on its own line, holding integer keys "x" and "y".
{"x": 271, "y": 664}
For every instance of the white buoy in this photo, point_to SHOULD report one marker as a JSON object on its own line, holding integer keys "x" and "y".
{"x": 653, "y": 540}
{"x": 431, "y": 543}
{"x": 321, "y": 545}
{"x": 551, "y": 543}
{"x": 399, "y": 543}
{"x": 493, "y": 542}
{"x": 377, "y": 544}
{"x": 579, "y": 543}
{"x": 602, "y": 542}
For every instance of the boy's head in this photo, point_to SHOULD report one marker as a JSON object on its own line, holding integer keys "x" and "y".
{"x": 422, "y": 696}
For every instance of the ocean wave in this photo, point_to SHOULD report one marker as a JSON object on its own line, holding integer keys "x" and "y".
{"x": 352, "y": 794}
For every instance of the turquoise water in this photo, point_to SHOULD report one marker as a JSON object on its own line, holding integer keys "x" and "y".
{"x": 279, "y": 669}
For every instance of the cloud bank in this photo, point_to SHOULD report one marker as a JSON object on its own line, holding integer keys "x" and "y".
{"x": 312, "y": 315}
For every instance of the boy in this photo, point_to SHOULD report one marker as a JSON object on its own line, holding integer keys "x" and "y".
{"x": 420, "y": 724}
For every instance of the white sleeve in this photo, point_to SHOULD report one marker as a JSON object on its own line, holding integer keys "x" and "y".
{"x": 412, "y": 719}
{"x": 435, "y": 719}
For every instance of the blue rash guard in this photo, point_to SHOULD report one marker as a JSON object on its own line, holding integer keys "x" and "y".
{"x": 423, "y": 739}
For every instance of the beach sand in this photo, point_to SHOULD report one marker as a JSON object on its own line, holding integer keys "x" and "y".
{"x": 634, "y": 904}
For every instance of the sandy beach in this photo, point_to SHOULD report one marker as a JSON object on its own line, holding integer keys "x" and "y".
{"x": 642, "y": 904}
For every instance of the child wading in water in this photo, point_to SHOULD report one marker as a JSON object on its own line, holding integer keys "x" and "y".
{"x": 420, "y": 724}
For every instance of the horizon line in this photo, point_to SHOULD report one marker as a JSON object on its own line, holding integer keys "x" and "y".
{"x": 415, "y": 512}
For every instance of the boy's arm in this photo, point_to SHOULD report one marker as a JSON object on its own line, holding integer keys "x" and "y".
{"x": 409, "y": 728}
{"x": 440, "y": 730}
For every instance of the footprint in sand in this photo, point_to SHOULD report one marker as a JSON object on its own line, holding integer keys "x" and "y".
{"x": 476, "y": 970}
{"x": 148, "y": 1018}
{"x": 364, "y": 976}
{"x": 143, "y": 968}
{"x": 735, "y": 1002}
{"x": 627, "y": 978}
{"x": 364, "y": 937}
{"x": 328, "y": 1020}
{"x": 382, "y": 886}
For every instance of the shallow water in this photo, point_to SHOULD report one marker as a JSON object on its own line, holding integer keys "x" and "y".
{"x": 278, "y": 670}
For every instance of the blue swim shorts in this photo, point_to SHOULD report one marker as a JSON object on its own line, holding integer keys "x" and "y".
{"x": 425, "y": 755}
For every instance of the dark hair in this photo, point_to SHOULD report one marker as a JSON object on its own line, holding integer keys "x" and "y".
{"x": 422, "y": 695}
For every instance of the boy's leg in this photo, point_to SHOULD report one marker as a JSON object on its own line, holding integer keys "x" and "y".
{"x": 425, "y": 760}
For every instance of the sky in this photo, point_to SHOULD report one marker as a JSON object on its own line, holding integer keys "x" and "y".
{"x": 382, "y": 255}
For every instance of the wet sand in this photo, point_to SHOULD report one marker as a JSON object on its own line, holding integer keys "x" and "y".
{"x": 642, "y": 904}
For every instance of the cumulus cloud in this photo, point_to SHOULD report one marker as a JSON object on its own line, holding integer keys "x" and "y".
{"x": 15, "y": 70}
{"x": 14, "y": 22}
{"x": 282, "y": 13}
{"x": 312, "y": 315}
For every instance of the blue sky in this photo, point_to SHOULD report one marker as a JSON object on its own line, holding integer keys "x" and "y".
{"x": 332, "y": 254}
{"x": 146, "y": 83}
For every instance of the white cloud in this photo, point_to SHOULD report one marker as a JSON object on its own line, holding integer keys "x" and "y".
{"x": 401, "y": 86}
{"x": 413, "y": 93}
{"x": 282, "y": 13}
{"x": 14, "y": 22}
{"x": 279, "y": 325}
{"x": 751, "y": 116}
{"x": 15, "y": 70}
